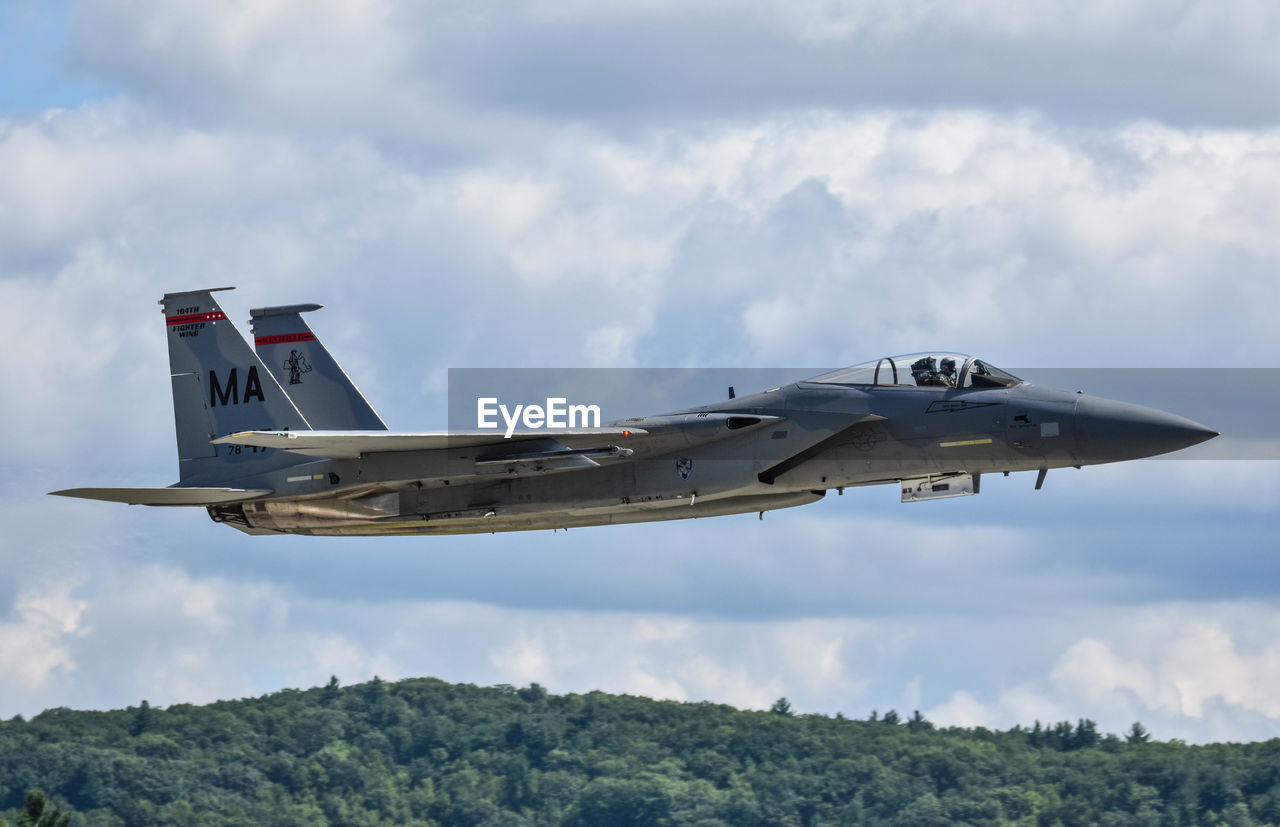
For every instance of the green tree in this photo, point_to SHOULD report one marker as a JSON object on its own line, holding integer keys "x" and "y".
{"x": 918, "y": 723}
{"x": 1137, "y": 734}
{"x": 622, "y": 803}
{"x": 144, "y": 717}
{"x": 1086, "y": 734}
{"x": 423, "y": 752}
{"x": 781, "y": 707}
{"x": 39, "y": 811}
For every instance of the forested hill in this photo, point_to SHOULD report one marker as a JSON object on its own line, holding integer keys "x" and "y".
{"x": 427, "y": 752}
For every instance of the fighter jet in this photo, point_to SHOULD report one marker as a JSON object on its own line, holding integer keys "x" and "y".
{"x": 281, "y": 442}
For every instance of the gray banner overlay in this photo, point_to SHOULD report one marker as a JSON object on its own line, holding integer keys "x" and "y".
{"x": 1240, "y": 403}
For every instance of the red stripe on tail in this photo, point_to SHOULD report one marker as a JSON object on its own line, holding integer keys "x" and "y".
{"x": 215, "y": 316}
{"x": 283, "y": 339}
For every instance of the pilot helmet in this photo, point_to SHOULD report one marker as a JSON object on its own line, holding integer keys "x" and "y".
{"x": 923, "y": 366}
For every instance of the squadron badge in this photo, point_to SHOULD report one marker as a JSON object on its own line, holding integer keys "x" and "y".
{"x": 684, "y": 467}
{"x": 297, "y": 365}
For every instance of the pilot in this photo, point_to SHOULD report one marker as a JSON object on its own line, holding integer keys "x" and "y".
{"x": 925, "y": 371}
{"x": 948, "y": 371}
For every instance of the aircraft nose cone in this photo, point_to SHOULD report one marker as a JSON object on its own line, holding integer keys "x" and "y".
{"x": 1108, "y": 431}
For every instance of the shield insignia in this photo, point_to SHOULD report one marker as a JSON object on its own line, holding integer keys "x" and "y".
{"x": 684, "y": 467}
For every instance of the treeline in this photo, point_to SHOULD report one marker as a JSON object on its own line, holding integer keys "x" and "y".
{"x": 427, "y": 752}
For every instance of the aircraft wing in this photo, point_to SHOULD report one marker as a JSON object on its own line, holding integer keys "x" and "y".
{"x": 167, "y": 496}
{"x": 353, "y": 444}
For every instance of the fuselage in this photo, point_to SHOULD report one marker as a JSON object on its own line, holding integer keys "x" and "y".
{"x": 810, "y": 437}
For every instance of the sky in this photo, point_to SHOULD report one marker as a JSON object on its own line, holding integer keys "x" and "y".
{"x": 654, "y": 184}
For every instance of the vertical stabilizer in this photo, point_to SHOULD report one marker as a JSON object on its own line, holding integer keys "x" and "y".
{"x": 220, "y": 387}
{"x": 311, "y": 377}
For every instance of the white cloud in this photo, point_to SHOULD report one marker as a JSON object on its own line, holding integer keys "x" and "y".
{"x": 526, "y": 660}
{"x": 1185, "y": 670}
{"x": 962, "y": 710}
{"x": 336, "y": 655}
{"x": 459, "y": 77}
{"x": 1197, "y": 672}
{"x": 111, "y": 172}
{"x": 1177, "y": 664}
{"x": 36, "y": 648}
{"x": 909, "y": 231}
{"x": 837, "y": 20}
{"x": 170, "y": 637}
{"x": 299, "y": 54}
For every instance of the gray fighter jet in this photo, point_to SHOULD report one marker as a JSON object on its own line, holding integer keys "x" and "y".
{"x": 285, "y": 443}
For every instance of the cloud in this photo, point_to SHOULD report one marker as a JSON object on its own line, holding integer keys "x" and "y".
{"x": 35, "y": 648}
{"x": 849, "y": 19}
{"x": 1176, "y": 665}
{"x": 962, "y": 710}
{"x": 910, "y": 231}
{"x": 456, "y": 75}
{"x": 1104, "y": 62}
{"x": 170, "y": 637}
{"x": 300, "y": 55}
{"x": 1197, "y": 672}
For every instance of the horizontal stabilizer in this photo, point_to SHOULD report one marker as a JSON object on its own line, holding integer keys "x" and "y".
{"x": 352, "y": 444}
{"x": 167, "y": 496}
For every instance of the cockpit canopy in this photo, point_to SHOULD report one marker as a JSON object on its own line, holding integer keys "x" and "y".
{"x": 937, "y": 370}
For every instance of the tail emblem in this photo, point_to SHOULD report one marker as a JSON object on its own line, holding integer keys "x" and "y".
{"x": 297, "y": 365}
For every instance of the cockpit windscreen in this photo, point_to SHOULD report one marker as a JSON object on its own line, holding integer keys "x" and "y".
{"x": 937, "y": 370}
